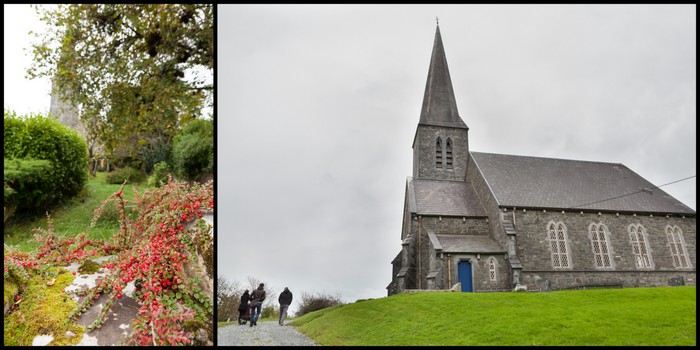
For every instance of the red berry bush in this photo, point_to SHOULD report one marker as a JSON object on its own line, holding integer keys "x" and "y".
{"x": 164, "y": 249}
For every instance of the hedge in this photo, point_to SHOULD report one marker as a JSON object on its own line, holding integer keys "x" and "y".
{"x": 43, "y": 138}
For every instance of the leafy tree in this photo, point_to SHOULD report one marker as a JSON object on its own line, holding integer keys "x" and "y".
{"x": 136, "y": 72}
{"x": 193, "y": 149}
{"x": 228, "y": 295}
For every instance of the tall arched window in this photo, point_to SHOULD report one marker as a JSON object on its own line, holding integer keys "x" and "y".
{"x": 438, "y": 153}
{"x": 492, "y": 269}
{"x": 448, "y": 153}
{"x": 557, "y": 240}
{"x": 642, "y": 256}
{"x": 678, "y": 251}
{"x": 599, "y": 241}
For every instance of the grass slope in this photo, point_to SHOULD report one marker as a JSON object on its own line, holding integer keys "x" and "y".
{"x": 74, "y": 217}
{"x": 630, "y": 316}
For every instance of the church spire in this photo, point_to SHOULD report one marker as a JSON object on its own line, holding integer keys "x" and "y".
{"x": 439, "y": 106}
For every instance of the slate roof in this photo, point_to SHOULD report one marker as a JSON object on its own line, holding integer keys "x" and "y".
{"x": 466, "y": 244}
{"x": 439, "y": 104}
{"x": 445, "y": 198}
{"x": 534, "y": 182}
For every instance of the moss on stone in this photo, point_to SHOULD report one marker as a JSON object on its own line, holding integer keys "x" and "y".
{"x": 10, "y": 289}
{"x": 204, "y": 246}
{"x": 89, "y": 267}
{"x": 44, "y": 310}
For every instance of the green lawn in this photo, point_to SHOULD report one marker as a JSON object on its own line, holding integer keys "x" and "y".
{"x": 630, "y": 316}
{"x": 74, "y": 217}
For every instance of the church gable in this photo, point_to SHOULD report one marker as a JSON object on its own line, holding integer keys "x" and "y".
{"x": 534, "y": 182}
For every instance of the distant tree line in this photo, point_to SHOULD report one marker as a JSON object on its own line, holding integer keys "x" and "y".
{"x": 228, "y": 297}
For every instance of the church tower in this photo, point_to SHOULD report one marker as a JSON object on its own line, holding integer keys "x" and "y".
{"x": 64, "y": 110}
{"x": 440, "y": 145}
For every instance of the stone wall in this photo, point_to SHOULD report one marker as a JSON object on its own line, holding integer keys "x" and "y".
{"x": 455, "y": 225}
{"x": 489, "y": 203}
{"x": 534, "y": 249}
{"x": 480, "y": 271}
{"x": 547, "y": 280}
{"x": 431, "y": 261}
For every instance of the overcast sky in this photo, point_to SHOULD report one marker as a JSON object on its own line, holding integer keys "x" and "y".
{"x": 20, "y": 94}
{"x": 318, "y": 106}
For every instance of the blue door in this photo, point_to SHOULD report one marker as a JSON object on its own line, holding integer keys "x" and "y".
{"x": 464, "y": 273}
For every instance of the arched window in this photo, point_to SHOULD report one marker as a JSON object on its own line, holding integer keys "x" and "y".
{"x": 678, "y": 251}
{"x": 599, "y": 241}
{"x": 642, "y": 256}
{"x": 557, "y": 240}
{"x": 448, "y": 153}
{"x": 492, "y": 269}
{"x": 438, "y": 153}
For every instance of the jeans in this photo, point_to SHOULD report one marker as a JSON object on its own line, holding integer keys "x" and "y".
{"x": 255, "y": 312}
{"x": 283, "y": 313}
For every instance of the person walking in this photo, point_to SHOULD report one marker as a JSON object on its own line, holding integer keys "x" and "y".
{"x": 256, "y": 299}
{"x": 285, "y": 300}
{"x": 243, "y": 307}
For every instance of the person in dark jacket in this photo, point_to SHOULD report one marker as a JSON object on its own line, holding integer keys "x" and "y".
{"x": 243, "y": 307}
{"x": 285, "y": 300}
{"x": 256, "y": 299}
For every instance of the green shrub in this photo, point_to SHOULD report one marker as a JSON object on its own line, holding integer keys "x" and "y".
{"x": 314, "y": 302}
{"x": 155, "y": 152}
{"x": 119, "y": 175}
{"x": 13, "y": 130}
{"x": 28, "y": 185}
{"x": 160, "y": 174}
{"x": 193, "y": 149}
{"x": 39, "y": 137}
{"x": 109, "y": 215}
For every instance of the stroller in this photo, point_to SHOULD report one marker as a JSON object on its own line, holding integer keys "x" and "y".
{"x": 245, "y": 318}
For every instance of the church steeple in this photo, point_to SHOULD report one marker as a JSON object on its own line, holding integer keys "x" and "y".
{"x": 439, "y": 105}
{"x": 441, "y": 143}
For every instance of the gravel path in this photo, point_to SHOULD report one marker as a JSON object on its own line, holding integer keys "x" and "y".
{"x": 264, "y": 334}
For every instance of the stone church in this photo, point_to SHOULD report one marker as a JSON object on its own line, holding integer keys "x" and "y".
{"x": 485, "y": 222}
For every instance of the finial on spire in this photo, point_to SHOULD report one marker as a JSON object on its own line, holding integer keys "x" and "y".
{"x": 437, "y": 21}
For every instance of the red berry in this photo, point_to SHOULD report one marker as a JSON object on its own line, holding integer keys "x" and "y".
{"x": 73, "y": 273}
{"x": 119, "y": 295}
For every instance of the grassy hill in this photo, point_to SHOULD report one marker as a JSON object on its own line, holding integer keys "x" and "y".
{"x": 629, "y": 316}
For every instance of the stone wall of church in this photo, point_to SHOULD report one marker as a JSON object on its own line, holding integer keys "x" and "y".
{"x": 406, "y": 219}
{"x": 424, "y": 156}
{"x": 455, "y": 225}
{"x": 489, "y": 203}
{"x": 535, "y": 252}
{"x": 482, "y": 274}
{"x": 550, "y": 280}
{"x": 442, "y": 225}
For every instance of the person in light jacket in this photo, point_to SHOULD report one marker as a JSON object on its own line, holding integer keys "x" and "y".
{"x": 285, "y": 300}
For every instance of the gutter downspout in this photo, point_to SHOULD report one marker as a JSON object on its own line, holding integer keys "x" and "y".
{"x": 449, "y": 272}
{"x": 420, "y": 285}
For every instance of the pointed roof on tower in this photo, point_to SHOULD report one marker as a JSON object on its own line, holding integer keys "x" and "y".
{"x": 439, "y": 105}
